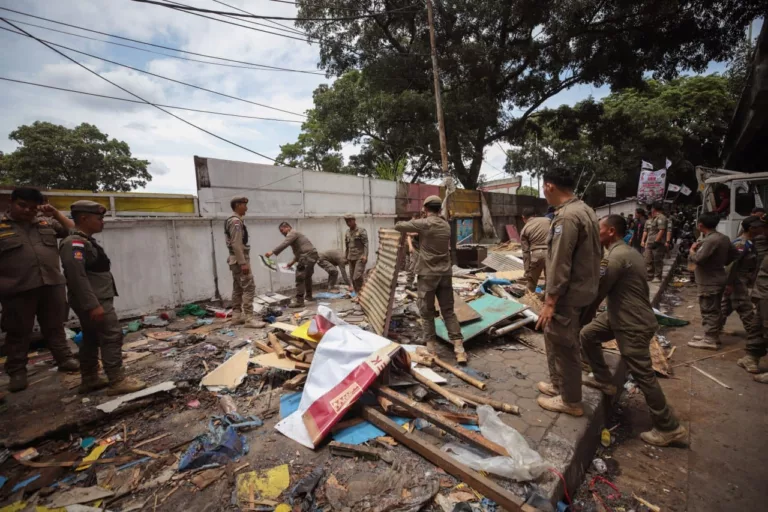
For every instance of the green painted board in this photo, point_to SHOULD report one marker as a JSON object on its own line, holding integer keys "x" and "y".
{"x": 492, "y": 311}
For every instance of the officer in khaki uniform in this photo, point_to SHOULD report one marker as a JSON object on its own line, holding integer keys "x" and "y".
{"x": 435, "y": 273}
{"x": 573, "y": 276}
{"x": 741, "y": 278}
{"x": 411, "y": 256}
{"x": 757, "y": 340}
{"x": 710, "y": 256}
{"x": 239, "y": 261}
{"x": 356, "y": 251}
{"x": 31, "y": 283}
{"x": 91, "y": 294}
{"x": 533, "y": 240}
{"x": 328, "y": 261}
{"x": 653, "y": 241}
{"x": 305, "y": 254}
{"x": 631, "y": 321}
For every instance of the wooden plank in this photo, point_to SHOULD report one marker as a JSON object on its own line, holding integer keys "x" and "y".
{"x": 463, "y": 312}
{"x": 455, "y": 400}
{"x": 289, "y": 328}
{"x": 276, "y": 345}
{"x": 487, "y": 487}
{"x": 296, "y": 382}
{"x": 263, "y": 346}
{"x": 496, "y": 404}
{"x": 460, "y": 374}
{"x": 434, "y": 417}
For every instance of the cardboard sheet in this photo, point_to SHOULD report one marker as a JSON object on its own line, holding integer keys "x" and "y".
{"x": 272, "y": 361}
{"x": 229, "y": 374}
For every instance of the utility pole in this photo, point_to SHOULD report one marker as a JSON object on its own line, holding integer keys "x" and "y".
{"x": 438, "y": 101}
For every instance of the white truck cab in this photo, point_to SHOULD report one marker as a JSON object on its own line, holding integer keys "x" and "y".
{"x": 746, "y": 191}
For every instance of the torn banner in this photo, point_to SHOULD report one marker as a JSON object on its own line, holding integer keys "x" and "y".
{"x": 346, "y": 362}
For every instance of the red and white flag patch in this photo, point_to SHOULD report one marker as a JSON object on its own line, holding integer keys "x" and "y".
{"x": 78, "y": 243}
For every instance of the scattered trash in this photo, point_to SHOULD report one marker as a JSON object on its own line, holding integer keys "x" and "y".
{"x": 194, "y": 404}
{"x": 87, "y": 442}
{"x": 373, "y": 491}
{"x": 78, "y": 338}
{"x": 77, "y": 495}
{"x": 302, "y": 496}
{"x": 205, "y": 478}
{"x": 219, "y": 446}
{"x": 651, "y": 506}
{"x": 94, "y": 455}
{"x": 230, "y": 374}
{"x": 267, "y": 484}
{"x": 204, "y": 321}
{"x": 132, "y": 326}
{"x": 599, "y": 464}
{"x": 663, "y": 341}
{"x": 191, "y": 309}
{"x": 25, "y": 482}
{"x": 522, "y": 464}
{"x": 605, "y": 438}
{"x": 227, "y": 405}
{"x": 26, "y": 454}
{"x": 111, "y": 406}
{"x": 669, "y": 321}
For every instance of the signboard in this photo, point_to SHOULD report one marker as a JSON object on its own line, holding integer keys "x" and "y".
{"x": 610, "y": 189}
{"x": 651, "y": 186}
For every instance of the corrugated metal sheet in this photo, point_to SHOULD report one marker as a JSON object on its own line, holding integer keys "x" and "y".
{"x": 500, "y": 262}
{"x": 378, "y": 293}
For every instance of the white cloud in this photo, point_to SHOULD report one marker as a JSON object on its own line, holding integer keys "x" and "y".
{"x": 153, "y": 135}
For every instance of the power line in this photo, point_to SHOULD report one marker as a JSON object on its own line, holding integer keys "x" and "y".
{"x": 270, "y": 21}
{"x": 262, "y": 17}
{"x": 143, "y": 103}
{"x": 253, "y": 68}
{"x": 158, "y": 45}
{"x": 136, "y": 95}
{"x": 138, "y": 70}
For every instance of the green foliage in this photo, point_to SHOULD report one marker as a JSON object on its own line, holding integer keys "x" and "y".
{"x": 525, "y": 190}
{"x": 684, "y": 119}
{"x": 391, "y": 171}
{"x": 499, "y": 60}
{"x": 82, "y": 158}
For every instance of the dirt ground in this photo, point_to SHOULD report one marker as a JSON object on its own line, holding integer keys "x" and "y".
{"x": 721, "y": 468}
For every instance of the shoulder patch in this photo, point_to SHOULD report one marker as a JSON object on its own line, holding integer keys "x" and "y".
{"x": 78, "y": 243}
{"x": 77, "y": 254}
{"x": 558, "y": 229}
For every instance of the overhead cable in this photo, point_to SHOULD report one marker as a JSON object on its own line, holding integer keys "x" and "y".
{"x": 136, "y": 95}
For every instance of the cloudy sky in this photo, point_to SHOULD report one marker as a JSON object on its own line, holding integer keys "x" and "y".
{"x": 166, "y": 142}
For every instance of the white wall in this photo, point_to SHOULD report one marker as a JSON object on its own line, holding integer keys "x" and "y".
{"x": 625, "y": 207}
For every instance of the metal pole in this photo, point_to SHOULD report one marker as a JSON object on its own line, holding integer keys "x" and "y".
{"x": 438, "y": 102}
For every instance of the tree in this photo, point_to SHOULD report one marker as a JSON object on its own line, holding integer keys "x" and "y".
{"x": 500, "y": 60}
{"x": 82, "y": 158}
{"x": 525, "y": 190}
{"x": 684, "y": 119}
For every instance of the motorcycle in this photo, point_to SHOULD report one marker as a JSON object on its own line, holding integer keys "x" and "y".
{"x": 687, "y": 239}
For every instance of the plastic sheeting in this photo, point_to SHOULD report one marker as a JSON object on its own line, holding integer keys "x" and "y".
{"x": 521, "y": 465}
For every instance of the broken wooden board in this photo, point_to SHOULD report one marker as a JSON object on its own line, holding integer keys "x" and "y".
{"x": 492, "y": 310}
{"x": 506, "y": 499}
{"x": 77, "y": 495}
{"x": 464, "y": 313}
{"x": 229, "y": 374}
{"x": 272, "y": 361}
{"x": 163, "y": 335}
{"x": 112, "y": 405}
{"x": 282, "y": 326}
{"x": 135, "y": 344}
{"x": 659, "y": 360}
{"x": 132, "y": 357}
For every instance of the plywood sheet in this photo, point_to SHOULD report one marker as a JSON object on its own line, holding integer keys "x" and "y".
{"x": 492, "y": 311}
{"x": 464, "y": 313}
{"x": 230, "y": 373}
{"x": 272, "y": 361}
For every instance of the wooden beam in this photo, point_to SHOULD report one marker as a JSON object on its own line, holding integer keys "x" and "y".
{"x": 434, "y": 417}
{"x": 263, "y": 346}
{"x": 496, "y": 404}
{"x": 487, "y": 487}
{"x": 455, "y": 400}
{"x": 295, "y": 382}
{"x": 460, "y": 374}
{"x": 276, "y": 345}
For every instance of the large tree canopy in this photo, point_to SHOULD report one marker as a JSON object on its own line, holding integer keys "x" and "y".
{"x": 82, "y": 158}
{"x": 685, "y": 120}
{"x": 501, "y": 59}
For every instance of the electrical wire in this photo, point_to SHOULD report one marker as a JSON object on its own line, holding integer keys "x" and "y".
{"x": 270, "y": 21}
{"x": 283, "y": 18}
{"x": 143, "y": 103}
{"x": 157, "y": 45}
{"x": 161, "y": 53}
{"x": 136, "y": 95}
{"x": 138, "y": 70}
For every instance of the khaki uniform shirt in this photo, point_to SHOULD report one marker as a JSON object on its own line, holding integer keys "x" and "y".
{"x": 237, "y": 241}
{"x": 744, "y": 266}
{"x": 573, "y": 259}
{"x": 653, "y": 226}
{"x": 88, "y": 272}
{"x": 712, "y": 255}
{"x": 761, "y": 244}
{"x": 356, "y": 243}
{"x": 333, "y": 256}
{"x": 533, "y": 237}
{"x": 623, "y": 282}
{"x": 434, "y": 245}
{"x": 29, "y": 254}
{"x": 299, "y": 243}
{"x": 760, "y": 290}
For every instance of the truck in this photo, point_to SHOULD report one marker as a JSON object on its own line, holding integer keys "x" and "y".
{"x": 746, "y": 191}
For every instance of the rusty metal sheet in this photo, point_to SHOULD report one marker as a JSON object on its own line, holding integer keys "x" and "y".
{"x": 378, "y": 293}
{"x": 500, "y": 262}
{"x": 492, "y": 310}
